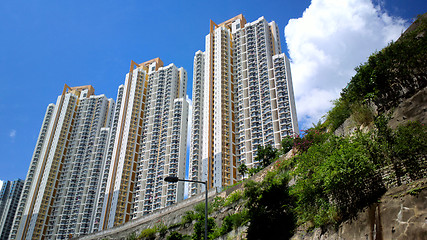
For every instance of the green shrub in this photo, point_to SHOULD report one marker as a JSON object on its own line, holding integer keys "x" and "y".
{"x": 178, "y": 236}
{"x": 335, "y": 180}
{"x": 229, "y": 223}
{"x": 310, "y": 137}
{"x": 230, "y": 186}
{"x": 188, "y": 217}
{"x": 238, "y": 219}
{"x": 148, "y": 233}
{"x": 199, "y": 226}
{"x": 395, "y": 71}
{"x": 161, "y": 228}
{"x": 338, "y": 114}
{"x": 266, "y": 155}
{"x": 218, "y": 203}
{"x": 243, "y": 169}
{"x": 254, "y": 170}
{"x": 175, "y": 236}
{"x": 132, "y": 236}
{"x": 403, "y": 148}
{"x": 287, "y": 144}
{"x": 199, "y": 209}
{"x": 199, "y": 229}
{"x": 362, "y": 114}
{"x": 234, "y": 197}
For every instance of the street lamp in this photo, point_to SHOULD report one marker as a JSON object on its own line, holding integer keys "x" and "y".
{"x": 176, "y": 179}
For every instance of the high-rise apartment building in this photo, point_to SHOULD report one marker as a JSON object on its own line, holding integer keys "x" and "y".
{"x": 164, "y": 142}
{"x": 25, "y": 201}
{"x": 124, "y": 147}
{"x": 147, "y": 143}
{"x": 264, "y": 98}
{"x": 98, "y": 164}
{"x": 196, "y": 171}
{"x": 80, "y": 174}
{"x": 110, "y": 135}
{"x": 9, "y": 197}
{"x": 246, "y": 99}
{"x": 57, "y": 198}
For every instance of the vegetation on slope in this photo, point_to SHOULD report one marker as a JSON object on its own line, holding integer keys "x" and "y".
{"x": 335, "y": 177}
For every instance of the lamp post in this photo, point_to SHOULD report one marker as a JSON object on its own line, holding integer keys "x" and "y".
{"x": 176, "y": 179}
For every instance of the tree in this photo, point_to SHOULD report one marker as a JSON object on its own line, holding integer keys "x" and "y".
{"x": 243, "y": 169}
{"x": 287, "y": 144}
{"x": 199, "y": 228}
{"x": 265, "y": 155}
{"x": 270, "y": 208}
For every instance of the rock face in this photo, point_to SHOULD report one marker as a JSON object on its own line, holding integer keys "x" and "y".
{"x": 400, "y": 214}
{"x": 411, "y": 109}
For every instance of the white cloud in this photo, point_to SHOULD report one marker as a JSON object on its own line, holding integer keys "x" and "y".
{"x": 327, "y": 43}
{"x": 1, "y": 184}
{"x": 12, "y": 134}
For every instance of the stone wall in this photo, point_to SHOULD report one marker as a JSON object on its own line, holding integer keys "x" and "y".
{"x": 400, "y": 214}
{"x": 388, "y": 174}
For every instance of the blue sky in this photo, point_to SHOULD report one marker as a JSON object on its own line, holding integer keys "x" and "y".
{"x": 46, "y": 44}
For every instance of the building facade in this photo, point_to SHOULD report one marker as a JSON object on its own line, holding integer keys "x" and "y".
{"x": 57, "y": 199}
{"x": 265, "y": 104}
{"x": 164, "y": 142}
{"x": 100, "y": 163}
{"x": 25, "y": 200}
{"x": 124, "y": 147}
{"x": 40, "y": 188}
{"x": 80, "y": 174}
{"x": 96, "y": 162}
{"x": 147, "y": 142}
{"x": 9, "y": 197}
{"x": 247, "y": 99}
{"x": 108, "y": 133}
{"x": 195, "y": 161}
